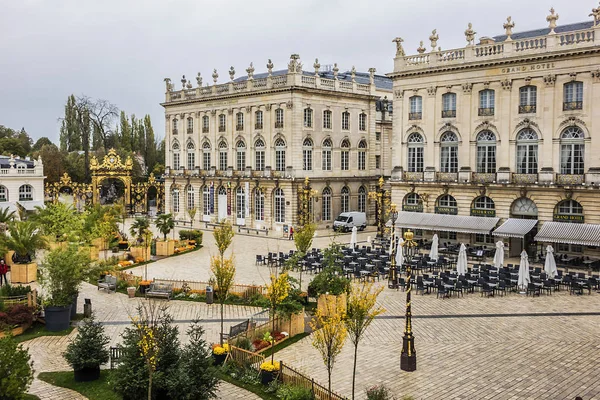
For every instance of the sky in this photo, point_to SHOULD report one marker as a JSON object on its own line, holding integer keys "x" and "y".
{"x": 121, "y": 50}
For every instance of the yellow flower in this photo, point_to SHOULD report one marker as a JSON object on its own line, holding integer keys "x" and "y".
{"x": 219, "y": 351}
{"x": 270, "y": 367}
{"x": 226, "y": 347}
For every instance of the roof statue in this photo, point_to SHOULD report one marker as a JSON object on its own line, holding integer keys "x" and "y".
{"x": 316, "y": 65}
{"x": 231, "y": 73}
{"x": 552, "y": 18}
{"x": 215, "y": 76}
{"x": 509, "y": 25}
{"x": 399, "y": 48}
{"x": 470, "y": 34}
{"x": 596, "y": 14}
{"x": 434, "y": 38}
{"x": 421, "y": 49}
{"x": 199, "y": 80}
{"x": 270, "y": 67}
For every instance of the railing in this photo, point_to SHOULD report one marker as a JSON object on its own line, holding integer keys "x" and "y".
{"x": 415, "y": 115}
{"x": 279, "y": 81}
{"x": 491, "y": 50}
{"x": 480, "y": 177}
{"x": 447, "y": 176}
{"x": 245, "y": 358}
{"x": 175, "y": 96}
{"x": 524, "y": 178}
{"x": 278, "y": 124}
{"x": 528, "y": 44}
{"x": 190, "y": 93}
{"x": 190, "y": 130}
{"x": 485, "y": 112}
{"x": 327, "y": 83}
{"x": 237, "y": 86}
{"x": 413, "y": 176}
{"x": 309, "y": 80}
{"x": 448, "y": 113}
{"x": 527, "y": 109}
{"x": 258, "y": 125}
{"x": 239, "y": 127}
{"x": 205, "y": 129}
{"x": 565, "y": 179}
{"x": 291, "y": 376}
{"x": 417, "y": 59}
{"x": 576, "y": 37}
{"x": 346, "y": 85}
{"x": 222, "y": 89}
{"x": 363, "y": 88}
{"x": 244, "y": 291}
{"x": 260, "y": 83}
{"x": 572, "y": 105}
{"x": 222, "y": 128}
{"x": 451, "y": 55}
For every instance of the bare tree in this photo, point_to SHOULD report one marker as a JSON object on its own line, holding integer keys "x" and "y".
{"x": 102, "y": 114}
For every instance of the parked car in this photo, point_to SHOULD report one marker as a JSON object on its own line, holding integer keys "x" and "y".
{"x": 347, "y": 220}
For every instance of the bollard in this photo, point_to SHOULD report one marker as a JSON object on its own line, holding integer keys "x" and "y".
{"x": 87, "y": 308}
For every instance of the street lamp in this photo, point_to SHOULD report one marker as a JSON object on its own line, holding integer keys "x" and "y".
{"x": 408, "y": 357}
{"x": 379, "y": 195}
{"x": 305, "y": 193}
{"x": 393, "y": 275}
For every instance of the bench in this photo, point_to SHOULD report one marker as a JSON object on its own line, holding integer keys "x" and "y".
{"x": 115, "y": 356}
{"x": 164, "y": 290}
{"x": 245, "y": 228}
{"x": 212, "y": 224}
{"x": 109, "y": 283}
{"x": 235, "y": 330}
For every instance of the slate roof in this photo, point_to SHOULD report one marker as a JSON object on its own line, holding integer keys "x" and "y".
{"x": 544, "y": 31}
{"x": 4, "y": 162}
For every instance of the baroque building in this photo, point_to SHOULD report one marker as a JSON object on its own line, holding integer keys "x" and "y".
{"x": 505, "y": 129}
{"x": 241, "y": 150}
{"x": 21, "y": 183}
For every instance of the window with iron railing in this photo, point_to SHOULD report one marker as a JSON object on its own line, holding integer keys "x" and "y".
{"x": 449, "y": 105}
{"x": 416, "y": 107}
{"x": 279, "y": 118}
{"x": 486, "y": 103}
{"x": 222, "y": 123}
{"x": 573, "y": 96}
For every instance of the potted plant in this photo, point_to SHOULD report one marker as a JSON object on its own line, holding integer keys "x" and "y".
{"x": 24, "y": 239}
{"x": 88, "y": 351}
{"x": 269, "y": 371}
{"x": 220, "y": 353}
{"x": 131, "y": 291}
{"x": 165, "y": 223}
{"x": 140, "y": 229}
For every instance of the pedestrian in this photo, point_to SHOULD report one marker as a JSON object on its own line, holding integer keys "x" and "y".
{"x": 291, "y": 236}
{"x": 3, "y": 271}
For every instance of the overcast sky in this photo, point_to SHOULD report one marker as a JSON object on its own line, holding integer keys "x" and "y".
{"x": 121, "y": 50}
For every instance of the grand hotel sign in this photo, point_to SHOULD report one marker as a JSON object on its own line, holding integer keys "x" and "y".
{"x": 526, "y": 68}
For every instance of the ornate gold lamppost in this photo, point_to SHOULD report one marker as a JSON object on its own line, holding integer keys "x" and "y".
{"x": 380, "y": 196}
{"x": 393, "y": 275}
{"x": 408, "y": 357}
{"x": 305, "y": 195}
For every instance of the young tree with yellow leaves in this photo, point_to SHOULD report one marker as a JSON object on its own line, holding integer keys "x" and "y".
{"x": 329, "y": 335}
{"x": 148, "y": 342}
{"x": 224, "y": 271}
{"x": 277, "y": 292}
{"x": 223, "y": 236}
{"x": 361, "y": 309}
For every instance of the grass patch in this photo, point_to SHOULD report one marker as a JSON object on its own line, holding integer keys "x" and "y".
{"x": 28, "y": 396}
{"x": 256, "y": 389}
{"x": 38, "y": 330}
{"x": 288, "y": 342}
{"x": 102, "y": 389}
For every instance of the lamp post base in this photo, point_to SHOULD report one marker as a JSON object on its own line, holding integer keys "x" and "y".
{"x": 408, "y": 357}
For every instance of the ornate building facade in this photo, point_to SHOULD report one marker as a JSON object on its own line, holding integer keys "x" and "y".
{"x": 241, "y": 150}
{"x": 21, "y": 183}
{"x": 506, "y": 128}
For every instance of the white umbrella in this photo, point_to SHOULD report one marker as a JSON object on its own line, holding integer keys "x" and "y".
{"x": 433, "y": 254}
{"x": 400, "y": 254}
{"x": 353, "y": 237}
{"x": 461, "y": 263}
{"x": 550, "y": 264}
{"x": 524, "y": 278}
{"x": 499, "y": 255}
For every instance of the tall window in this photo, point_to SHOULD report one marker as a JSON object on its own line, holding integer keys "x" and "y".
{"x": 572, "y": 151}
{"x": 176, "y": 156}
{"x": 416, "y": 107}
{"x": 206, "y": 200}
{"x": 449, "y": 105}
{"x": 345, "y": 120}
{"x": 415, "y": 152}
{"x": 570, "y": 207}
{"x": 206, "y": 155}
{"x": 486, "y": 102}
{"x": 527, "y": 152}
{"x": 326, "y": 155}
{"x": 362, "y": 122}
{"x": 239, "y": 118}
{"x": 326, "y": 204}
{"x": 259, "y": 155}
{"x": 223, "y": 155}
{"x": 527, "y": 99}
{"x": 486, "y": 152}
{"x": 190, "y": 198}
{"x": 484, "y": 203}
{"x": 205, "y": 124}
{"x": 191, "y": 155}
{"x": 345, "y": 199}
{"x": 279, "y": 205}
{"x": 446, "y": 204}
{"x": 362, "y": 199}
{"x": 449, "y": 152}
{"x": 175, "y": 200}
{"x": 279, "y": 118}
{"x": 362, "y": 155}
{"x": 573, "y": 96}
{"x": 279, "y": 155}
{"x": 25, "y": 192}
{"x": 259, "y": 205}
{"x": 327, "y": 119}
{"x": 240, "y": 155}
{"x": 259, "y": 120}
{"x": 308, "y": 118}
{"x": 3, "y": 193}
{"x": 345, "y": 155}
{"x": 175, "y": 126}
{"x": 240, "y": 202}
{"x": 307, "y": 150}
{"x": 190, "y": 125}
{"x": 222, "y": 123}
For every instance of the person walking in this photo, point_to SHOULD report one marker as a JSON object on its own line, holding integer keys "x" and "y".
{"x": 291, "y": 236}
{"x": 3, "y": 271}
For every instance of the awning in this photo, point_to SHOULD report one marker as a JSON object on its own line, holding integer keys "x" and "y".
{"x": 8, "y": 204}
{"x": 446, "y": 223}
{"x": 31, "y": 204}
{"x": 515, "y": 228}
{"x": 564, "y": 232}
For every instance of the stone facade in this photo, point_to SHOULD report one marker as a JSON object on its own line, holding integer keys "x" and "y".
{"x": 241, "y": 150}
{"x": 21, "y": 183}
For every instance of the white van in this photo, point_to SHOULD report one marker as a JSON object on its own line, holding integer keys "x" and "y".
{"x": 347, "y": 220}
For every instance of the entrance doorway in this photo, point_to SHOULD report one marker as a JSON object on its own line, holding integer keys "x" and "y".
{"x": 222, "y": 204}
{"x": 111, "y": 191}
{"x": 523, "y": 208}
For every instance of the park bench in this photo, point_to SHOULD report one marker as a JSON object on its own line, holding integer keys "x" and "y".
{"x": 109, "y": 283}
{"x": 164, "y": 290}
{"x": 115, "y": 356}
{"x": 235, "y": 330}
{"x": 247, "y": 229}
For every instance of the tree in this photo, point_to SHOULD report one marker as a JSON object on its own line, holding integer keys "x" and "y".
{"x": 102, "y": 113}
{"x": 360, "y": 311}
{"x": 16, "y": 369}
{"x": 223, "y": 236}
{"x": 149, "y": 149}
{"x": 223, "y": 270}
{"x": 329, "y": 335}
{"x": 60, "y": 221}
{"x": 277, "y": 292}
{"x": 25, "y": 238}
{"x": 43, "y": 141}
{"x": 192, "y": 213}
{"x": 165, "y": 223}
{"x": 106, "y": 229}
{"x": 54, "y": 163}
{"x": 62, "y": 273}
{"x": 70, "y": 130}
{"x": 303, "y": 239}
{"x": 125, "y": 132}
{"x": 88, "y": 349}
{"x": 139, "y": 228}
{"x": 6, "y": 216}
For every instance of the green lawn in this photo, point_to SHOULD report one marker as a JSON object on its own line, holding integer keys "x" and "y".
{"x": 102, "y": 389}
{"x": 30, "y": 397}
{"x": 37, "y": 330}
{"x": 256, "y": 389}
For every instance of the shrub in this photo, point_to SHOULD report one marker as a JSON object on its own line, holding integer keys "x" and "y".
{"x": 20, "y": 314}
{"x": 13, "y": 291}
{"x": 331, "y": 280}
{"x": 16, "y": 369}
{"x": 292, "y": 392}
{"x": 379, "y": 393}
{"x": 193, "y": 234}
{"x": 4, "y": 321}
{"x": 88, "y": 349}
{"x": 243, "y": 343}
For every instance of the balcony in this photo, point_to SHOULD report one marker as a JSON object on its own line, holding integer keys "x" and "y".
{"x": 205, "y": 129}
{"x": 239, "y": 127}
{"x": 486, "y": 112}
{"x": 564, "y": 179}
{"x": 222, "y": 128}
{"x": 190, "y": 130}
{"x": 415, "y": 115}
{"x": 449, "y": 114}
{"x": 175, "y": 131}
{"x": 572, "y": 105}
{"x": 279, "y": 124}
{"x": 525, "y": 178}
{"x": 527, "y": 109}
{"x": 447, "y": 176}
{"x": 258, "y": 125}
{"x": 413, "y": 176}
{"x": 480, "y": 177}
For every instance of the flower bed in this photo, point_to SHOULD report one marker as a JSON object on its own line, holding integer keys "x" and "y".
{"x": 260, "y": 345}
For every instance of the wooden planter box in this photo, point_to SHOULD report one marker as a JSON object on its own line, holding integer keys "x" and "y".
{"x": 142, "y": 252}
{"x": 326, "y": 302}
{"x": 8, "y": 258}
{"x": 52, "y": 245}
{"x": 165, "y": 248}
{"x": 293, "y": 326}
{"x": 92, "y": 251}
{"x": 99, "y": 243}
{"x": 19, "y": 330}
{"x": 23, "y": 273}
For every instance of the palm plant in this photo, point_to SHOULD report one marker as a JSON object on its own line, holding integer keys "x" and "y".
{"x": 6, "y": 216}
{"x": 139, "y": 228}
{"x": 164, "y": 223}
{"x": 25, "y": 238}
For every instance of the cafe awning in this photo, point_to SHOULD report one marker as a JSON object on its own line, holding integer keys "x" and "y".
{"x": 446, "y": 222}
{"x": 10, "y": 205}
{"x": 564, "y": 232}
{"x": 515, "y": 228}
{"x": 31, "y": 204}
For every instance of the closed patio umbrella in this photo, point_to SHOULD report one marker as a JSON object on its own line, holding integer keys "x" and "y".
{"x": 400, "y": 253}
{"x": 550, "y": 263}
{"x": 524, "y": 278}
{"x": 353, "y": 237}
{"x": 433, "y": 254}
{"x": 499, "y": 255}
{"x": 461, "y": 263}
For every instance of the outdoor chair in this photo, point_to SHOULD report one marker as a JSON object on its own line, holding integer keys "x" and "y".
{"x": 547, "y": 287}
{"x": 533, "y": 290}
{"x": 420, "y": 286}
{"x": 487, "y": 290}
{"x": 576, "y": 288}
{"x": 259, "y": 260}
{"x": 458, "y": 289}
{"x": 501, "y": 288}
{"x": 441, "y": 291}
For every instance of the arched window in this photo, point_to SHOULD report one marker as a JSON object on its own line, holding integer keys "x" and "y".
{"x": 345, "y": 199}
{"x": 362, "y": 155}
{"x": 21, "y": 168}
{"x": 449, "y": 105}
{"x": 326, "y": 209}
{"x": 191, "y": 204}
{"x": 527, "y": 99}
{"x": 572, "y": 151}
{"x": 483, "y": 206}
{"x": 191, "y": 155}
{"x": 222, "y": 191}
{"x": 573, "y": 96}
{"x": 279, "y": 205}
{"x": 240, "y": 203}
{"x": 259, "y": 155}
{"x": 345, "y": 155}
{"x": 307, "y": 150}
{"x": 486, "y": 152}
{"x": 568, "y": 211}
{"x": 259, "y": 205}
{"x": 416, "y": 107}
{"x": 3, "y": 193}
{"x": 449, "y": 152}
{"x": 240, "y": 155}
{"x": 327, "y": 119}
{"x": 259, "y": 120}
{"x": 345, "y": 120}
{"x": 190, "y": 125}
{"x": 205, "y": 124}
{"x": 239, "y": 118}
{"x": 412, "y": 202}
{"x": 206, "y": 155}
{"x": 175, "y": 200}
{"x": 279, "y": 118}
{"x": 308, "y": 118}
{"x": 222, "y": 122}
{"x": 362, "y": 199}
{"x": 415, "y": 152}
{"x": 527, "y": 152}
{"x": 176, "y": 156}
{"x": 326, "y": 155}
{"x": 279, "y": 154}
{"x": 524, "y": 208}
{"x": 362, "y": 122}
{"x": 175, "y": 126}
{"x": 222, "y": 155}
{"x": 487, "y": 101}
{"x": 25, "y": 192}
{"x": 206, "y": 201}
{"x": 446, "y": 204}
